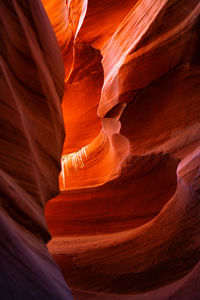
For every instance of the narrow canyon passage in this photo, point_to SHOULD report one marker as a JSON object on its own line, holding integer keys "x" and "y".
{"x": 100, "y": 150}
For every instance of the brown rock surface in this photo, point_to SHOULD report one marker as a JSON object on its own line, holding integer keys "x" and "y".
{"x": 136, "y": 230}
{"x": 126, "y": 224}
{"x": 31, "y": 138}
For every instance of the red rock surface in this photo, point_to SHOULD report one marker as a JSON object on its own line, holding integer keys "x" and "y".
{"x": 31, "y": 139}
{"x": 126, "y": 224}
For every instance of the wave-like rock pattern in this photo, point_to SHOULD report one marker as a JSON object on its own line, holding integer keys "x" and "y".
{"x": 31, "y": 137}
{"x": 126, "y": 224}
{"x": 126, "y": 236}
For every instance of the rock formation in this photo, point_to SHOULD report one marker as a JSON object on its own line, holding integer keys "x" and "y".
{"x": 126, "y": 223}
{"x": 31, "y": 137}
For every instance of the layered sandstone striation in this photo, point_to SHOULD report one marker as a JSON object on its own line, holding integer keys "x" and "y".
{"x": 31, "y": 138}
{"x": 131, "y": 226}
{"x": 126, "y": 224}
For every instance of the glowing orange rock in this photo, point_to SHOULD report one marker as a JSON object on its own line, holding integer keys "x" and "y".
{"x": 129, "y": 182}
{"x": 127, "y": 219}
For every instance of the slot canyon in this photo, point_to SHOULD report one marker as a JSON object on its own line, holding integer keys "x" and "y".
{"x": 100, "y": 150}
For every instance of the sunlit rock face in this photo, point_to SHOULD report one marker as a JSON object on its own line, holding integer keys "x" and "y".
{"x": 126, "y": 224}
{"x": 127, "y": 220}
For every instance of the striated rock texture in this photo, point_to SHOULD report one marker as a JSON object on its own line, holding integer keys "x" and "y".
{"x": 31, "y": 139}
{"x": 126, "y": 224}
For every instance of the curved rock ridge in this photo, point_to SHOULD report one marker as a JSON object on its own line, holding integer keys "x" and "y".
{"x": 31, "y": 138}
{"x": 97, "y": 162}
{"x": 103, "y": 84}
{"x": 126, "y": 224}
{"x": 93, "y": 210}
{"x": 136, "y": 260}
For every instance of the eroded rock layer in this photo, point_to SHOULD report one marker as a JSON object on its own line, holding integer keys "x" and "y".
{"x": 31, "y": 138}
{"x": 120, "y": 224}
{"x": 126, "y": 224}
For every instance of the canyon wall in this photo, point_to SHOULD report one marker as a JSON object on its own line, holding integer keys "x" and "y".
{"x": 100, "y": 106}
